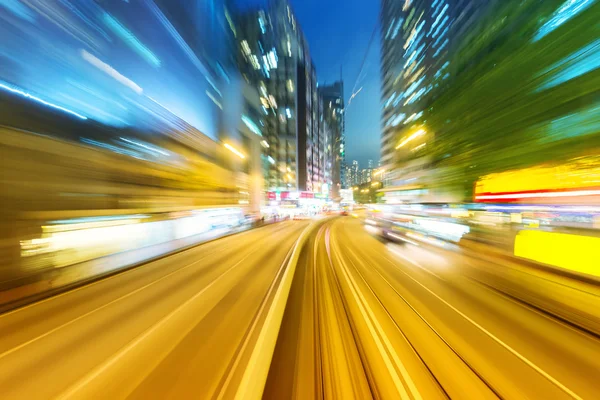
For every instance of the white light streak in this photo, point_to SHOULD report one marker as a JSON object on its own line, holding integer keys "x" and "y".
{"x": 234, "y": 150}
{"x": 111, "y": 71}
{"x": 44, "y": 102}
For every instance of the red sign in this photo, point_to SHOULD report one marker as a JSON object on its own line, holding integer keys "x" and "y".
{"x": 271, "y": 196}
{"x": 307, "y": 195}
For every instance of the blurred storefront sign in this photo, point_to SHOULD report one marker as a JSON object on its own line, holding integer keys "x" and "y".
{"x": 573, "y": 182}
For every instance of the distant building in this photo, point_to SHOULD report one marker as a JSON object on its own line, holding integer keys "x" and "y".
{"x": 347, "y": 176}
{"x": 275, "y": 59}
{"x": 355, "y": 173}
{"x": 366, "y": 175}
{"x": 333, "y": 110}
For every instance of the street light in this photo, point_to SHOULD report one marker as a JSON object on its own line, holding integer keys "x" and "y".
{"x": 234, "y": 150}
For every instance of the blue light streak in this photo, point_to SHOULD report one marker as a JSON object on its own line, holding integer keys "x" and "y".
{"x": 415, "y": 38}
{"x": 446, "y": 18}
{"x": 413, "y": 55}
{"x": 261, "y": 23}
{"x": 568, "y": 10}
{"x": 390, "y": 28}
{"x": 441, "y": 48}
{"x": 251, "y": 125}
{"x": 389, "y": 101}
{"x": 114, "y": 149}
{"x": 37, "y": 99}
{"x": 182, "y": 44}
{"x": 85, "y": 19}
{"x": 19, "y": 9}
{"x": 397, "y": 28}
{"x": 413, "y": 87}
{"x": 145, "y": 146}
{"x": 441, "y": 35}
{"x": 133, "y": 41}
{"x": 437, "y": 20}
{"x": 576, "y": 64}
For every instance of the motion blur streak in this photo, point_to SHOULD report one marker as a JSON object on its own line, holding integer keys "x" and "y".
{"x": 189, "y": 208}
{"x": 29, "y": 96}
{"x": 110, "y": 71}
{"x": 360, "y": 319}
{"x": 150, "y": 332}
{"x": 458, "y": 324}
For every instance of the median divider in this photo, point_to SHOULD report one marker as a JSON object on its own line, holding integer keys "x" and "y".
{"x": 254, "y": 379}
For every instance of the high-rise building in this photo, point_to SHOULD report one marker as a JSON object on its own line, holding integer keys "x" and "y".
{"x": 275, "y": 59}
{"x": 348, "y": 181}
{"x": 326, "y": 141}
{"x": 366, "y": 175}
{"x": 417, "y": 39}
{"x": 355, "y": 173}
{"x": 333, "y": 109}
{"x": 370, "y": 164}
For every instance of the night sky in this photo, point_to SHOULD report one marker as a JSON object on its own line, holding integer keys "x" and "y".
{"x": 338, "y": 32}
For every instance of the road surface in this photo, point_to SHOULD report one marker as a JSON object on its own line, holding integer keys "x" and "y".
{"x": 302, "y": 310}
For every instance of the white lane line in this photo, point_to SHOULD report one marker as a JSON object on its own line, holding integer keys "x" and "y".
{"x": 415, "y": 263}
{"x": 381, "y": 340}
{"x": 500, "y": 342}
{"x": 548, "y": 315}
{"x": 57, "y": 328}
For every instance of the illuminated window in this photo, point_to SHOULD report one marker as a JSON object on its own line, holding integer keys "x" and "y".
{"x": 272, "y": 57}
{"x": 261, "y": 23}
{"x": 441, "y": 48}
{"x": 254, "y": 62}
{"x": 390, "y": 99}
{"x": 437, "y": 20}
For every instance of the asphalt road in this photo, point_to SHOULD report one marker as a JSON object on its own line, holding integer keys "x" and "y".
{"x": 181, "y": 327}
{"x": 361, "y": 319}
{"x": 367, "y": 319}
